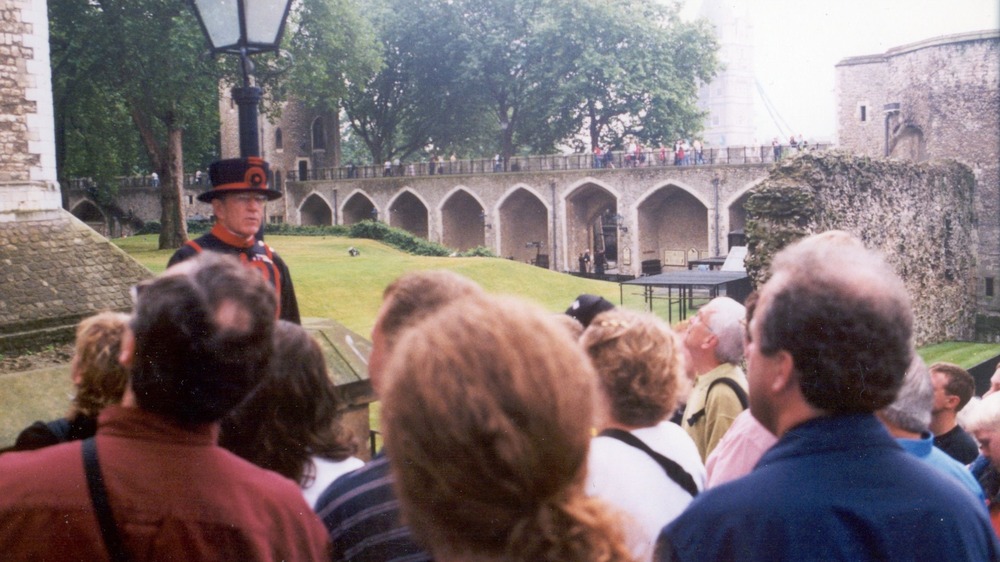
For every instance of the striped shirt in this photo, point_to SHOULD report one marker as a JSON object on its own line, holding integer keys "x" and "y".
{"x": 361, "y": 513}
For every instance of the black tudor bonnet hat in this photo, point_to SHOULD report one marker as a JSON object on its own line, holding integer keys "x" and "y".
{"x": 239, "y": 175}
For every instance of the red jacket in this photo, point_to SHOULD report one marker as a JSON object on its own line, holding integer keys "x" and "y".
{"x": 175, "y": 496}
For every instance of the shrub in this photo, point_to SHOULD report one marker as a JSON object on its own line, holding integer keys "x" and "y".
{"x": 397, "y": 238}
{"x": 149, "y": 227}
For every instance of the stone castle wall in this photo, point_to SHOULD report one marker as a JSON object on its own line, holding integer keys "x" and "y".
{"x": 54, "y": 270}
{"x": 28, "y": 166}
{"x": 919, "y": 215}
{"x": 948, "y": 91}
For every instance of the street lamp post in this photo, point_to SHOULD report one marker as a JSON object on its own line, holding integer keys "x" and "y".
{"x": 244, "y": 28}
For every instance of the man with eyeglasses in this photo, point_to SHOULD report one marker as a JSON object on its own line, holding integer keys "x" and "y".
{"x": 238, "y": 196}
{"x": 714, "y": 341}
{"x": 829, "y": 345}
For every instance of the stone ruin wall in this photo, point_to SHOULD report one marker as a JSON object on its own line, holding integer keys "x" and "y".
{"x": 919, "y": 215}
{"x": 948, "y": 91}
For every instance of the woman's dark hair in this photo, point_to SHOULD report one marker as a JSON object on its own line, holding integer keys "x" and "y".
{"x": 293, "y": 415}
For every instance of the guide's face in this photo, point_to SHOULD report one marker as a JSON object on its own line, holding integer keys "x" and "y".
{"x": 240, "y": 213}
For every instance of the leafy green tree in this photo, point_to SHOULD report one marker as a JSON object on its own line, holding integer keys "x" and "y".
{"x": 332, "y": 45}
{"x": 511, "y": 56}
{"x": 418, "y": 101}
{"x": 633, "y": 69}
{"x": 143, "y": 57}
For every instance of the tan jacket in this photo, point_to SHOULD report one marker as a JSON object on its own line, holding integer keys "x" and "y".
{"x": 721, "y": 407}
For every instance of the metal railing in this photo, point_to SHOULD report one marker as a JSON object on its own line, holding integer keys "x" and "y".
{"x": 732, "y": 155}
{"x": 618, "y": 159}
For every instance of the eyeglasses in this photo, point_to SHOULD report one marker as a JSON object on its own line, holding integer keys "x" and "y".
{"x": 696, "y": 319}
{"x": 246, "y": 198}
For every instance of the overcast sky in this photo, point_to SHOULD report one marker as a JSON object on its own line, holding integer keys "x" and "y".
{"x": 798, "y": 42}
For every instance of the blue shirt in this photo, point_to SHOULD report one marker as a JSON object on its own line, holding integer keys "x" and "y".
{"x": 833, "y": 488}
{"x": 361, "y": 512}
{"x": 925, "y": 450}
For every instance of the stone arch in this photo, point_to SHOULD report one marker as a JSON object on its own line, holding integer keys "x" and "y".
{"x": 409, "y": 212}
{"x": 592, "y": 222}
{"x": 524, "y": 222}
{"x": 678, "y": 184}
{"x": 315, "y": 211}
{"x": 92, "y": 215}
{"x": 671, "y": 221}
{"x": 463, "y": 220}
{"x": 358, "y": 207}
{"x": 908, "y": 144}
{"x": 736, "y": 209}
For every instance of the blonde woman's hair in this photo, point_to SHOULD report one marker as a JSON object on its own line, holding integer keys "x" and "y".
{"x": 639, "y": 364}
{"x": 95, "y": 362}
{"x": 487, "y": 418}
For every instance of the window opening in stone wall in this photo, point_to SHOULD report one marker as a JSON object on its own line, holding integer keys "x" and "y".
{"x": 279, "y": 142}
{"x": 864, "y": 113}
{"x": 190, "y": 199}
{"x": 989, "y": 286}
{"x": 318, "y": 136}
{"x": 276, "y": 219}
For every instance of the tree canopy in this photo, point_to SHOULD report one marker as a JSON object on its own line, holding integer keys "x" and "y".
{"x": 129, "y": 79}
{"x": 530, "y": 75}
{"x": 133, "y": 90}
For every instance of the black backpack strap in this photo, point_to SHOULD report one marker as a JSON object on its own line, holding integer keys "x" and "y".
{"x": 741, "y": 395}
{"x": 673, "y": 470}
{"x": 99, "y": 497}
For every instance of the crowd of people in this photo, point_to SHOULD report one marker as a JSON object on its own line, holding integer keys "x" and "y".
{"x": 799, "y": 425}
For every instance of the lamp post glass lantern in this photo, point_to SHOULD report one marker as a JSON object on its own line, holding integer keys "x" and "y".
{"x": 244, "y": 27}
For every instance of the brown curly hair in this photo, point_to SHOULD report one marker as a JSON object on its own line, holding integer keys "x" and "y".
{"x": 487, "y": 419}
{"x": 95, "y": 363}
{"x": 639, "y": 363}
{"x": 293, "y": 415}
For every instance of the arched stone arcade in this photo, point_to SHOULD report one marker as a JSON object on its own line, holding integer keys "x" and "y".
{"x": 91, "y": 214}
{"x": 524, "y": 228}
{"x": 315, "y": 212}
{"x": 463, "y": 221}
{"x": 673, "y": 227}
{"x": 358, "y": 207}
{"x": 408, "y": 212}
{"x": 591, "y": 223}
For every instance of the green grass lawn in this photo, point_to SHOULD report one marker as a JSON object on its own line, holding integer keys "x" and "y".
{"x": 966, "y": 354}
{"x": 331, "y": 284}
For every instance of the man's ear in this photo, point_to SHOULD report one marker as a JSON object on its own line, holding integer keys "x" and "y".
{"x": 783, "y": 377}
{"x": 127, "y": 353}
{"x": 951, "y": 401}
{"x": 711, "y": 341}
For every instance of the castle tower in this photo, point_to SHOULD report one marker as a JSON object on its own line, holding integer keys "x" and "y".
{"x": 729, "y": 99}
{"x": 54, "y": 270}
